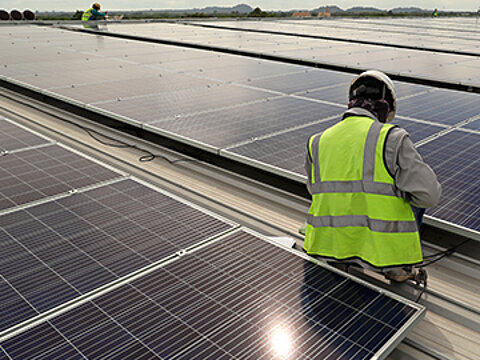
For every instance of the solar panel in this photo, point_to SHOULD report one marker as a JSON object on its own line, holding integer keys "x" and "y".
{"x": 336, "y": 94}
{"x": 441, "y": 106}
{"x": 454, "y": 158}
{"x": 420, "y": 64}
{"x": 252, "y": 69}
{"x": 404, "y": 89}
{"x": 13, "y": 137}
{"x": 57, "y": 251}
{"x": 285, "y": 151}
{"x": 38, "y": 173}
{"x": 365, "y": 30}
{"x": 164, "y": 54}
{"x": 301, "y": 81}
{"x": 237, "y": 124}
{"x": 150, "y": 108}
{"x": 418, "y": 131}
{"x": 217, "y": 62}
{"x": 238, "y": 298}
{"x": 158, "y": 82}
{"x": 58, "y": 75}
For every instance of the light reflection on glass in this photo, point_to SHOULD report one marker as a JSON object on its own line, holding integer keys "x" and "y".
{"x": 281, "y": 342}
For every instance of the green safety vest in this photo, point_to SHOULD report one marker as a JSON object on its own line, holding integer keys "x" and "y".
{"x": 87, "y": 14}
{"x": 356, "y": 210}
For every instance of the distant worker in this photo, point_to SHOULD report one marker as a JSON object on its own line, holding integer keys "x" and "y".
{"x": 369, "y": 186}
{"x": 435, "y": 12}
{"x": 93, "y": 14}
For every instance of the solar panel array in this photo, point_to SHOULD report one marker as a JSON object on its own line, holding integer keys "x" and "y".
{"x": 70, "y": 225}
{"x": 59, "y": 250}
{"x": 422, "y": 64}
{"x": 255, "y": 111}
{"x": 116, "y": 268}
{"x": 444, "y": 35}
{"x": 455, "y": 159}
{"x": 226, "y": 301}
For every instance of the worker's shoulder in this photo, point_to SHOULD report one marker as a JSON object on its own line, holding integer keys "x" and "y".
{"x": 398, "y": 137}
{"x": 396, "y": 132}
{"x": 314, "y": 135}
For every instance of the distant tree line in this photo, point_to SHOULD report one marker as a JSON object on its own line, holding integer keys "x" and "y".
{"x": 255, "y": 13}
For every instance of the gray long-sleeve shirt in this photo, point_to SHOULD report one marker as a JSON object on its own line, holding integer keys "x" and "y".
{"x": 415, "y": 180}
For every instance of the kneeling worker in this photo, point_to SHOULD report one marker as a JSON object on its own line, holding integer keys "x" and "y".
{"x": 369, "y": 186}
{"x": 93, "y": 14}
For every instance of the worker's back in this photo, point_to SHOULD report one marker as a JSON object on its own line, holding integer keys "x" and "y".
{"x": 355, "y": 211}
{"x": 87, "y": 14}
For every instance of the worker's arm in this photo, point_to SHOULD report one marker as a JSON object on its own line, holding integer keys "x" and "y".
{"x": 413, "y": 177}
{"x": 98, "y": 13}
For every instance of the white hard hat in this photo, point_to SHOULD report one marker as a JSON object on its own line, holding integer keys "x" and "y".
{"x": 388, "y": 91}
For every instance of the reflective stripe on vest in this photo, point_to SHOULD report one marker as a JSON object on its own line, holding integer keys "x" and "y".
{"x": 87, "y": 14}
{"x": 356, "y": 210}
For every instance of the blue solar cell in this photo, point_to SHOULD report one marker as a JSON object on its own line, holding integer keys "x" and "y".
{"x": 441, "y": 106}
{"x": 354, "y": 295}
{"x": 54, "y": 252}
{"x": 224, "y": 301}
{"x": 13, "y": 137}
{"x": 474, "y": 125}
{"x": 418, "y": 131}
{"x": 43, "y": 341}
{"x": 13, "y": 307}
{"x": 454, "y": 158}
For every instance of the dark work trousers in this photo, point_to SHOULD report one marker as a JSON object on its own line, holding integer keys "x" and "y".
{"x": 418, "y": 215}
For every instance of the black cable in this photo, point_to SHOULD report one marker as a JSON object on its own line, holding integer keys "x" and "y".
{"x": 441, "y": 254}
{"x": 119, "y": 144}
{"x": 149, "y": 156}
{"x": 422, "y": 278}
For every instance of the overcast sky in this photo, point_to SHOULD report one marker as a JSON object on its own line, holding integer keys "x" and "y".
{"x": 263, "y": 4}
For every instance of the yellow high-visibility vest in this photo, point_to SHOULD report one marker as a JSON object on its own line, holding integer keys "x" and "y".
{"x": 87, "y": 14}
{"x": 356, "y": 211}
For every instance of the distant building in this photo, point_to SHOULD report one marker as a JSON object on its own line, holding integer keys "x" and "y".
{"x": 301, "y": 14}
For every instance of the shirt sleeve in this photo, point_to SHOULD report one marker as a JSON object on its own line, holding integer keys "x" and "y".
{"x": 415, "y": 180}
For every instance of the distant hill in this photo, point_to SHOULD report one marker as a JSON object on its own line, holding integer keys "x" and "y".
{"x": 334, "y": 9}
{"x": 240, "y": 9}
{"x": 410, "y": 10}
{"x": 364, "y": 10}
